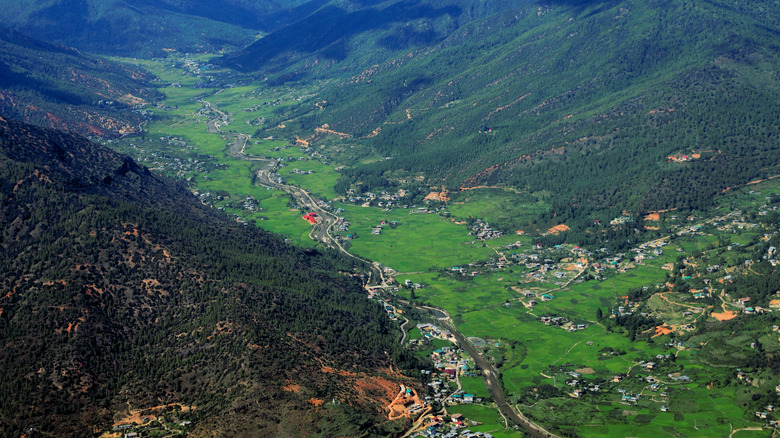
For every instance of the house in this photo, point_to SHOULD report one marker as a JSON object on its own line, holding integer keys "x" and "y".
{"x": 449, "y": 371}
{"x": 468, "y": 398}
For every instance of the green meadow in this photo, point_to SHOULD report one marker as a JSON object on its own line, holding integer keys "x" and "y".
{"x": 420, "y": 241}
{"x": 320, "y": 183}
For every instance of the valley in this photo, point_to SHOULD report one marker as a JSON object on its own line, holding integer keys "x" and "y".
{"x": 639, "y": 339}
{"x": 390, "y": 218}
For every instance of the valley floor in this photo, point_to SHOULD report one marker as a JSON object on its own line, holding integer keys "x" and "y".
{"x": 572, "y": 341}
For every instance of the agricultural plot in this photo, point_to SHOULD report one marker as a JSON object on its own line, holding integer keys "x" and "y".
{"x": 497, "y": 206}
{"x": 419, "y": 242}
{"x": 491, "y": 421}
{"x": 458, "y": 296}
{"x": 320, "y": 183}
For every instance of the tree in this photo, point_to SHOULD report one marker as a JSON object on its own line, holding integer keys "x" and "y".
{"x": 599, "y": 314}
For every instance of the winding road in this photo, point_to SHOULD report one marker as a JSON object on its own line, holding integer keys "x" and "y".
{"x": 321, "y": 232}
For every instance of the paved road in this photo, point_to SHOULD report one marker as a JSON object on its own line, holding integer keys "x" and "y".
{"x": 491, "y": 375}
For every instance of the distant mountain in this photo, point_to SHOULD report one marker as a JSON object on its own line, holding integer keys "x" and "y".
{"x": 581, "y": 102}
{"x": 341, "y": 35}
{"x": 119, "y": 290}
{"x": 60, "y": 87}
{"x": 144, "y": 27}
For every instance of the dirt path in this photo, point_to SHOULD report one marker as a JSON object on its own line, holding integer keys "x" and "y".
{"x": 661, "y": 295}
{"x": 733, "y": 431}
{"x": 568, "y": 351}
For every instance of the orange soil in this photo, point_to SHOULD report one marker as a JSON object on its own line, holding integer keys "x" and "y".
{"x": 774, "y": 303}
{"x": 558, "y": 229}
{"x": 374, "y": 133}
{"x": 135, "y": 415}
{"x": 399, "y": 406}
{"x": 662, "y": 330}
{"x": 339, "y": 372}
{"x": 325, "y": 129}
{"x": 725, "y": 316}
{"x": 292, "y": 388}
{"x": 751, "y": 183}
{"x": 437, "y": 196}
{"x": 653, "y": 217}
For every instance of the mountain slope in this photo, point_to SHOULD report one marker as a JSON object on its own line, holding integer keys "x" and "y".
{"x": 59, "y": 87}
{"x": 345, "y": 35}
{"x": 585, "y": 101}
{"x": 142, "y": 27}
{"x": 119, "y": 290}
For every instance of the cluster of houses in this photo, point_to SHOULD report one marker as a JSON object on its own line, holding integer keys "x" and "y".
{"x": 456, "y": 427}
{"x": 483, "y": 231}
{"x": 581, "y": 387}
{"x": 302, "y": 172}
{"x": 764, "y": 415}
{"x": 431, "y": 331}
{"x": 377, "y": 229}
{"x": 342, "y": 225}
{"x": 409, "y": 284}
{"x": 383, "y": 199}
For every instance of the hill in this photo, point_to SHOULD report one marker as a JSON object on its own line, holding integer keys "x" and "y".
{"x": 121, "y": 292}
{"x": 589, "y": 105}
{"x": 142, "y": 27}
{"x": 342, "y": 36}
{"x": 60, "y": 87}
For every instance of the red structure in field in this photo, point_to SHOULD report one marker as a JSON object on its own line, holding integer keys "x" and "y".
{"x": 311, "y": 217}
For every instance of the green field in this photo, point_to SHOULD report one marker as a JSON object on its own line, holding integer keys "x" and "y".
{"x": 420, "y": 242}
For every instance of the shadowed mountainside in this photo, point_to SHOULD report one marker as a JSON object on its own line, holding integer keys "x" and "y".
{"x": 60, "y": 87}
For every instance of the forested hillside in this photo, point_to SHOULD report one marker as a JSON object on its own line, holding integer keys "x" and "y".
{"x": 599, "y": 106}
{"x": 59, "y": 87}
{"x": 119, "y": 290}
{"x": 142, "y": 27}
{"x": 342, "y": 36}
